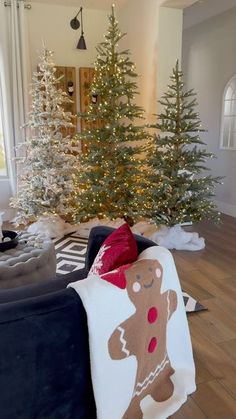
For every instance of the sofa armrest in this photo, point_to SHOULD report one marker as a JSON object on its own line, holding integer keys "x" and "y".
{"x": 41, "y": 288}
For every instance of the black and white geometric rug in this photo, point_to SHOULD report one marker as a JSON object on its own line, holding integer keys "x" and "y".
{"x": 71, "y": 251}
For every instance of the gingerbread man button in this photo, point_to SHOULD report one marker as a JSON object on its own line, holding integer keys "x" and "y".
{"x": 144, "y": 334}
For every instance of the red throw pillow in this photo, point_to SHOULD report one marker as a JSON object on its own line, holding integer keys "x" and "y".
{"x": 118, "y": 249}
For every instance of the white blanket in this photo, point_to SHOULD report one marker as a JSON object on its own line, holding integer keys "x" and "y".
{"x": 125, "y": 337}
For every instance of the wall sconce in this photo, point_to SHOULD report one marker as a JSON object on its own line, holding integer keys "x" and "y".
{"x": 75, "y": 24}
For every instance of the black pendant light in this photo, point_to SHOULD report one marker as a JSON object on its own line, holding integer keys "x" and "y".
{"x": 81, "y": 44}
{"x": 75, "y": 24}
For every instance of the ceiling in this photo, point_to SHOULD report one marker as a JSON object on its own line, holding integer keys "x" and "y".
{"x": 178, "y": 4}
{"x": 205, "y": 9}
{"x": 88, "y": 4}
{"x": 106, "y": 4}
{"x": 195, "y": 11}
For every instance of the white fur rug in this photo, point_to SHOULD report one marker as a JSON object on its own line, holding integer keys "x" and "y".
{"x": 176, "y": 238}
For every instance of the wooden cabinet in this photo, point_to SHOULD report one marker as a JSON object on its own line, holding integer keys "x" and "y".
{"x": 86, "y": 75}
{"x": 68, "y": 85}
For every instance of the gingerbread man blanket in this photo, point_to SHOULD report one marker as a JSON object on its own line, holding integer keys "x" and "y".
{"x": 140, "y": 349}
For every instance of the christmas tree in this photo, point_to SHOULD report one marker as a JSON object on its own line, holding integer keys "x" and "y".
{"x": 109, "y": 183}
{"x": 180, "y": 189}
{"x": 45, "y": 180}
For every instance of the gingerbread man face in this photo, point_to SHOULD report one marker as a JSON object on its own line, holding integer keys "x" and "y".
{"x": 142, "y": 278}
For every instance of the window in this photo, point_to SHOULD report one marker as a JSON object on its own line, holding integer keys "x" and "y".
{"x": 3, "y": 166}
{"x": 228, "y": 124}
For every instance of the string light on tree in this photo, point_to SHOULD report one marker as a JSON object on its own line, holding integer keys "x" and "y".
{"x": 180, "y": 189}
{"x": 109, "y": 176}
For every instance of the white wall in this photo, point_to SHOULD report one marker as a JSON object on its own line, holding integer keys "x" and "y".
{"x": 209, "y": 61}
{"x": 5, "y": 193}
{"x": 170, "y": 25}
{"x": 51, "y": 23}
{"x": 154, "y": 37}
{"x": 139, "y": 20}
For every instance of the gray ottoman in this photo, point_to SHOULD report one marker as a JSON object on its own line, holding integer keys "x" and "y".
{"x": 32, "y": 260}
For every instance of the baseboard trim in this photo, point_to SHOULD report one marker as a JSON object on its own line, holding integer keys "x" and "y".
{"x": 227, "y": 209}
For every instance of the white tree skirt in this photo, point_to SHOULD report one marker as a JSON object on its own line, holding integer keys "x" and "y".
{"x": 51, "y": 226}
{"x": 83, "y": 229}
{"x": 170, "y": 237}
{"x": 54, "y": 226}
{"x": 176, "y": 238}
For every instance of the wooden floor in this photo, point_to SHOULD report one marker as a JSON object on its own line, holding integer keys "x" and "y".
{"x": 210, "y": 276}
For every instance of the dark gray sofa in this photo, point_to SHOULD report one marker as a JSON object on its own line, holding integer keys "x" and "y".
{"x": 44, "y": 353}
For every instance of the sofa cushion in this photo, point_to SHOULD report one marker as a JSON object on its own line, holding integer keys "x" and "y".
{"x": 118, "y": 249}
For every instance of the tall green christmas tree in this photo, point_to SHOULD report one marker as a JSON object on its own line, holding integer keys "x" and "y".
{"x": 109, "y": 183}
{"x": 180, "y": 188}
{"x": 45, "y": 180}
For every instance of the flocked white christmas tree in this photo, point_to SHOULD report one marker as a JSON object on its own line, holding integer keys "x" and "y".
{"x": 45, "y": 179}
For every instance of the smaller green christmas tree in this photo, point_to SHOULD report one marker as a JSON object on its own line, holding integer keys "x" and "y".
{"x": 180, "y": 189}
{"x": 45, "y": 179}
